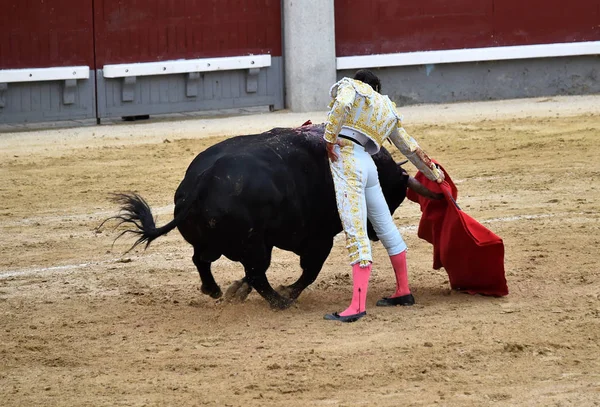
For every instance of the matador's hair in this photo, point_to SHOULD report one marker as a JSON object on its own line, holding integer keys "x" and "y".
{"x": 368, "y": 77}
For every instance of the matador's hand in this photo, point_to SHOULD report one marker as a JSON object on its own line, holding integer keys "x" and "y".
{"x": 333, "y": 157}
{"x": 441, "y": 176}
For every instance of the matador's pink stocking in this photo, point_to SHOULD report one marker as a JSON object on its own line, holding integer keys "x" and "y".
{"x": 400, "y": 269}
{"x": 360, "y": 280}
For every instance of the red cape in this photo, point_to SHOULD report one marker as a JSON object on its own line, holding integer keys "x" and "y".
{"x": 472, "y": 255}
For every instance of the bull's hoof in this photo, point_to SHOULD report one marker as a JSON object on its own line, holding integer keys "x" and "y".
{"x": 286, "y": 291}
{"x": 213, "y": 293}
{"x": 281, "y": 303}
{"x": 238, "y": 291}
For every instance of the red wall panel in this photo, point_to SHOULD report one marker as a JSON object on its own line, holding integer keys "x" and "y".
{"x": 388, "y": 26}
{"x": 543, "y": 22}
{"x": 38, "y": 33}
{"x": 155, "y": 30}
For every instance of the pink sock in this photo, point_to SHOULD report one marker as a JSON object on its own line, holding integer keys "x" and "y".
{"x": 360, "y": 280}
{"x": 400, "y": 269}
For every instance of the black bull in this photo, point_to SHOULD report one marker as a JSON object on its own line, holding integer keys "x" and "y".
{"x": 248, "y": 194}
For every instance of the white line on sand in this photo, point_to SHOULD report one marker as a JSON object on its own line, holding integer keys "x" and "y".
{"x": 41, "y": 270}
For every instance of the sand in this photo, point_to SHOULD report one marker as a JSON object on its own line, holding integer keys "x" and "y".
{"x": 85, "y": 324}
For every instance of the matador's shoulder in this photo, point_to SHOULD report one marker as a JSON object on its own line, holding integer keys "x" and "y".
{"x": 359, "y": 87}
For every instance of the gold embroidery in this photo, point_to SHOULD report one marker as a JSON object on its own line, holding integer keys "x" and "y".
{"x": 348, "y": 184}
{"x": 409, "y": 147}
{"x": 372, "y": 114}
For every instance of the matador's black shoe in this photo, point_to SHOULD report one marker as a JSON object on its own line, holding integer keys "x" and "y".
{"x": 348, "y": 318}
{"x": 404, "y": 300}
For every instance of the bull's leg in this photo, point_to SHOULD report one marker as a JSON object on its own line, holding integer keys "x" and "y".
{"x": 311, "y": 261}
{"x": 238, "y": 291}
{"x": 256, "y": 262}
{"x": 209, "y": 285}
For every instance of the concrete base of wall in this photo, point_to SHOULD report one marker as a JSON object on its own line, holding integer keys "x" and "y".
{"x": 160, "y": 94}
{"x": 491, "y": 80}
{"x": 30, "y": 102}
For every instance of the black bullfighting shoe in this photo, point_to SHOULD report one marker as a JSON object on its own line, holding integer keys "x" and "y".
{"x": 348, "y": 318}
{"x": 405, "y": 300}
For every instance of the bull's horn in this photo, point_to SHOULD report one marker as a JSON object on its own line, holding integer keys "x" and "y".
{"x": 422, "y": 189}
{"x": 402, "y": 162}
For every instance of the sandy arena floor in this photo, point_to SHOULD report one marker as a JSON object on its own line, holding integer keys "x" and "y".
{"x": 82, "y": 324}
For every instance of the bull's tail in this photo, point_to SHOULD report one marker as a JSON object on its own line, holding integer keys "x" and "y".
{"x": 136, "y": 211}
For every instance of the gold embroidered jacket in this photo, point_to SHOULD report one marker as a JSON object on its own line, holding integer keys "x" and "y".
{"x": 357, "y": 106}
